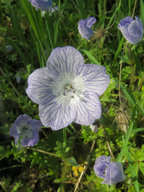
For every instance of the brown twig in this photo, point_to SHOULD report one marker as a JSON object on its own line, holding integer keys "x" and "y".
{"x": 85, "y": 167}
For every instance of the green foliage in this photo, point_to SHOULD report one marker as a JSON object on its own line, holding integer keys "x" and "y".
{"x": 58, "y": 160}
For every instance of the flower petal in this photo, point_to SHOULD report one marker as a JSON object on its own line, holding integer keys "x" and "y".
{"x": 114, "y": 173}
{"x": 39, "y": 86}
{"x": 64, "y": 60}
{"x": 87, "y": 111}
{"x": 90, "y": 21}
{"x": 100, "y": 166}
{"x": 56, "y": 115}
{"x": 31, "y": 141}
{"x": 21, "y": 119}
{"x": 85, "y": 31}
{"x": 36, "y": 124}
{"x": 42, "y": 4}
{"x": 95, "y": 78}
{"x": 126, "y": 20}
{"x": 136, "y": 29}
{"x": 82, "y": 22}
{"x": 131, "y": 29}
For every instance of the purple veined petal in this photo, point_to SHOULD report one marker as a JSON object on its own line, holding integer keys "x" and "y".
{"x": 111, "y": 172}
{"x": 85, "y": 31}
{"x": 101, "y": 159}
{"x": 21, "y": 119}
{"x": 39, "y": 86}
{"x": 100, "y": 170}
{"x": 136, "y": 29}
{"x": 100, "y": 166}
{"x": 43, "y": 5}
{"x": 64, "y": 60}
{"x": 56, "y": 115}
{"x": 125, "y": 21}
{"x": 114, "y": 173}
{"x": 31, "y": 141}
{"x": 140, "y": 24}
{"x": 14, "y": 133}
{"x": 25, "y": 130}
{"x": 84, "y": 27}
{"x": 82, "y": 22}
{"x": 126, "y": 34}
{"x": 36, "y": 124}
{"x": 131, "y": 29}
{"x": 88, "y": 111}
{"x": 95, "y": 78}
{"x": 90, "y": 21}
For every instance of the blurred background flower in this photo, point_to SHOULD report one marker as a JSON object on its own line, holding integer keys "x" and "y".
{"x": 25, "y": 131}
{"x": 84, "y": 27}
{"x": 43, "y": 5}
{"x": 111, "y": 172}
{"x": 131, "y": 29}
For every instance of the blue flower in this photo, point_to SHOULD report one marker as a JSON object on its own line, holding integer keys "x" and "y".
{"x": 94, "y": 128}
{"x": 67, "y": 90}
{"x": 25, "y": 130}
{"x": 111, "y": 172}
{"x": 44, "y": 5}
{"x": 131, "y": 29}
{"x": 84, "y": 27}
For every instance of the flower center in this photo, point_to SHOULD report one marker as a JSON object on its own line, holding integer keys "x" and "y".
{"x": 25, "y": 131}
{"x": 68, "y": 88}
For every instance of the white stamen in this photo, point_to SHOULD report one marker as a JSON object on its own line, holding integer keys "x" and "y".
{"x": 69, "y": 88}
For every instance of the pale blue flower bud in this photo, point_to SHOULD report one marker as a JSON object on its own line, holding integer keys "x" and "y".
{"x": 131, "y": 29}
{"x": 84, "y": 27}
{"x": 111, "y": 172}
{"x": 43, "y": 5}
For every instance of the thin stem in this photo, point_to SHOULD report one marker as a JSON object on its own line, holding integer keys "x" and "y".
{"x": 44, "y": 134}
{"x": 85, "y": 167}
{"x": 110, "y": 150}
{"x": 134, "y": 8}
{"x": 120, "y": 82}
{"x": 10, "y": 84}
{"x": 45, "y": 152}
{"x": 76, "y": 7}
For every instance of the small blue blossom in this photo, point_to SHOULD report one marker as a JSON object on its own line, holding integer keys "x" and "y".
{"x": 94, "y": 128}
{"x": 111, "y": 172}
{"x": 67, "y": 90}
{"x": 84, "y": 27}
{"x": 131, "y": 29}
{"x": 43, "y": 5}
{"x": 8, "y": 48}
{"x": 25, "y": 130}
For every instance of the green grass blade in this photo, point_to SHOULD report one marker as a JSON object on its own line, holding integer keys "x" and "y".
{"x": 92, "y": 58}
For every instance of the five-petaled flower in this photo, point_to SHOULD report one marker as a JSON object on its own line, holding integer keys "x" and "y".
{"x": 25, "y": 130}
{"x": 44, "y": 5}
{"x": 131, "y": 29}
{"x": 84, "y": 27}
{"x": 67, "y": 90}
{"x": 111, "y": 172}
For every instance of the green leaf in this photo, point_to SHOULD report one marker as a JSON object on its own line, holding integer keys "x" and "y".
{"x": 92, "y": 58}
{"x": 72, "y": 161}
{"x": 142, "y": 10}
